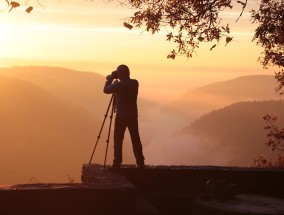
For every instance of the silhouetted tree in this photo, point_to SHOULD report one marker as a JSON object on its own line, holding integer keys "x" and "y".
{"x": 270, "y": 35}
{"x": 275, "y": 142}
{"x": 191, "y": 22}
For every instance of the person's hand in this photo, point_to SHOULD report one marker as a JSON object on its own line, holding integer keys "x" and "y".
{"x": 109, "y": 78}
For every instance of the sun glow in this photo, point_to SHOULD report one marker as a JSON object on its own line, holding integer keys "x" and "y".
{"x": 85, "y": 31}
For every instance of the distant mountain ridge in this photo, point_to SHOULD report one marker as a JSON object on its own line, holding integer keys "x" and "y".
{"x": 84, "y": 89}
{"x": 203, "y": 99}
{"x": 81, "y": 88}
{"x": 252, "y": 86}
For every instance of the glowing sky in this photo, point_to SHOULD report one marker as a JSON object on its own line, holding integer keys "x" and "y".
{"x": 92, "y": 31}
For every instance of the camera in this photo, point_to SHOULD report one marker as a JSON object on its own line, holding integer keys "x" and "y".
{"x": 114, "y": 75}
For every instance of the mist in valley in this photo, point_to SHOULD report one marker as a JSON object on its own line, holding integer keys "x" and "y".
{"x": 176, "y": 140}
{"x": 50, "y": 119}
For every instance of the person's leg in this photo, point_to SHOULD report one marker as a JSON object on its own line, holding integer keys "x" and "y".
{"x": 132, "y": 124}
{"x": 119, "y": 130}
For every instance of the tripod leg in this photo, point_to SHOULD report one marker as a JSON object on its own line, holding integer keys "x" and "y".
{"x": 109, "y": 129}
{"x": 99, "y": 136}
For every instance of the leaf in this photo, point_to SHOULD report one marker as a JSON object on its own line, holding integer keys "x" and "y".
{"x": 228, "y": 39}
{"x": 228, "y": 29}
{"x": 137, "y": 13}
{"x": 172, "y": 55}
{"x": 127, "y": 25}
{"x": 169, "y": 36}
{"x": 212, "y": 47}
{"x": 193, "y": 20}
{"x": 14, "y": 5}
{"x": 29, "y": 9}
{"x": 200, "y": 38}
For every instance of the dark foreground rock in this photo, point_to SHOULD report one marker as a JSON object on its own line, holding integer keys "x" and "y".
{"x": 154, "y": 190}
{"x": 111, "y": 194}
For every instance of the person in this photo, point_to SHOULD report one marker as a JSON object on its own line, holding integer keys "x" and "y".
{"x": 126, "y": 92}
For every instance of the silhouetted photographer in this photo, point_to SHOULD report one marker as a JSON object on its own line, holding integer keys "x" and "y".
{"x": 125, "y": 91}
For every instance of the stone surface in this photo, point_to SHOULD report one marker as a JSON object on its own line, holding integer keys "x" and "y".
{"x": 247, "y": 204}
{"x": 153, "y": 190}
{"x": 111, "y": 194}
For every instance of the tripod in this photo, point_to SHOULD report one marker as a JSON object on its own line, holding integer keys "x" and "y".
{"x": 111, "y": 104}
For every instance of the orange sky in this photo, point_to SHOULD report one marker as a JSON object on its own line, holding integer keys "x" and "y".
{"x": 92, "y": 31}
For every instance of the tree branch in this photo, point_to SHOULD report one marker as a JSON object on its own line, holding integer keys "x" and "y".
{"x": 244, "y": 6}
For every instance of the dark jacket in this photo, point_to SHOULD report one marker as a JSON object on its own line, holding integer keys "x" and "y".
{"x": 126, "y": 91}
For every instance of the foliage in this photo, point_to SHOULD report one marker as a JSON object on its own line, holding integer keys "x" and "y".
{"x": 280, "y": 78}
{"x": 275, "y": 142}
{"x": 270, "y": 35}
{"x": 270, "y": 32}
{"x": 275, "y": 135}
{"x": 191, "y": 22}
{"x": 188, "y": 22}
{"x": 11, "y": 5}
{"x": 263, "y": 162}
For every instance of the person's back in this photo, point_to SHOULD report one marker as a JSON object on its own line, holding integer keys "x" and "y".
{"x": 126, "y": 98}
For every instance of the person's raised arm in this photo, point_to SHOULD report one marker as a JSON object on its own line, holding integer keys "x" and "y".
{"x": 109, "y": 86}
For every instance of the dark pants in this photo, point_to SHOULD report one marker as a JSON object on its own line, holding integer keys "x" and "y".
{"x": 119, "y": 129}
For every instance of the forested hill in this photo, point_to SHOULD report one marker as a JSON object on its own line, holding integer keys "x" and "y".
{"x": 237, "y": 131}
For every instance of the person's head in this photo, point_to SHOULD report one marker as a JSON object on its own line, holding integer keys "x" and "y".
{"x": 123, "y": 71}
